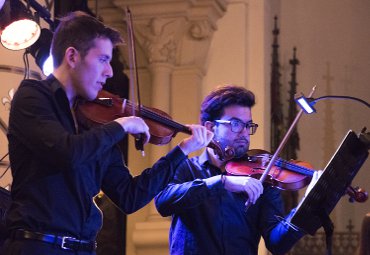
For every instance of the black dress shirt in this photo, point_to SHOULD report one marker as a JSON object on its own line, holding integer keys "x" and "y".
{"x": 207, "y": 219}
{"x": 57, "y": 171}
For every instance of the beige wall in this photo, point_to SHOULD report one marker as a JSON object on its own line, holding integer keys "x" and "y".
{"x": 332, "y": 40}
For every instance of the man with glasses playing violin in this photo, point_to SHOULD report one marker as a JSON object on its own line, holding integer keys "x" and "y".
{"x": 214, "y": 213}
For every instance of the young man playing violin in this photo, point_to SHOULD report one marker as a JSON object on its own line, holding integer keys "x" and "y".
{"x": 213, "y": 213}
{"x": 58, "y": 167}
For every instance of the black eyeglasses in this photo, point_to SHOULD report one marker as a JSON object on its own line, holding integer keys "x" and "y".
{"x": 237, "y": 126}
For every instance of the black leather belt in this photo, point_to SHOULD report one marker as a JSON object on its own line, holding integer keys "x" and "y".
{"x": 64, "y": 242}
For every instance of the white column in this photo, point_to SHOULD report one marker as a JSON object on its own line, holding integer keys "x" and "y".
{"x": 160, "y": 98}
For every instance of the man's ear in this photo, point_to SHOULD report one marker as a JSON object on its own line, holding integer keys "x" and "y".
{"x": 71, "y": 56}
{"x": 209, "y": 125}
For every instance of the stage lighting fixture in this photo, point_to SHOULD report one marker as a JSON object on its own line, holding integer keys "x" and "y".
{"x": 19, "y": 29}
{"x": 307, "y": 104}
{"x": 48, "y": 66}
{"x": 40, "y": 50}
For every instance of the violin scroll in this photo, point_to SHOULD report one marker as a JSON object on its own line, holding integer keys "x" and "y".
{"x": 224, "y": 155}
{"x": 356, "y": 194}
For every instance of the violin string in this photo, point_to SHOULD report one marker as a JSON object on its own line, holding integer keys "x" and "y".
{"x": 293, "y": 167}
{"x": 159, "y": 118}
{"x": 299, "y": 169}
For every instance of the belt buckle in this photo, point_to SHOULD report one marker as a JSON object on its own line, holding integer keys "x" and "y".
{"x": 64, "y": 239}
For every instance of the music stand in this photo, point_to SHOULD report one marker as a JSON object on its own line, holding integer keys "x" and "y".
{"x": 313, "y": 212}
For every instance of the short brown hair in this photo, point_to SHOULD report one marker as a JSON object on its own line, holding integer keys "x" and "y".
{"x": 79, "y": 30}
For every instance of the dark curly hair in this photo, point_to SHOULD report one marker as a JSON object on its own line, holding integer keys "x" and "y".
{"x": 214, "y": 104}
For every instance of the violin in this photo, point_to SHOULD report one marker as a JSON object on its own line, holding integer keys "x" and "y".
{"x": 108, "y": 107}
{"x": 284, "y": 175}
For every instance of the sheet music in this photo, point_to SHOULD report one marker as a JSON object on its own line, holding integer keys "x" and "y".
{"x": 332, "y": 184}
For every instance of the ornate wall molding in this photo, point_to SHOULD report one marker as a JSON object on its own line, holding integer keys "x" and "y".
{"x": 160, "y": 39}
{"x": 177, "y": 31}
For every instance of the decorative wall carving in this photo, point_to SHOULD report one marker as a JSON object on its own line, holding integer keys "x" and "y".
{"x": 159, "y": 39}
{"x": 201, "y": 29}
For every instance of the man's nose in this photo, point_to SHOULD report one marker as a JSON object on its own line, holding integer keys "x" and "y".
{"x": 108, "y": 72}
{"x": 245, "y": 131}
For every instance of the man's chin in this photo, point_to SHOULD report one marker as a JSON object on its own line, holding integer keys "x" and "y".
{"x": 241, "y": 151}
{"x": 91, "y": 96}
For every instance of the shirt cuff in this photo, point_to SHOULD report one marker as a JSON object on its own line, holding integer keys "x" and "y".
{"x": 116, "y": 131}
{"x": 176, "y": 156}
{"x": 214, "y": 183}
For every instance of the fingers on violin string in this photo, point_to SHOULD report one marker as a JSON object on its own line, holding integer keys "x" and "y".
{"x": 199, "y": 132}
{"x": 196, "y": 131}
{"x": 209, "y": 136}
{"x": 204, "y": 136}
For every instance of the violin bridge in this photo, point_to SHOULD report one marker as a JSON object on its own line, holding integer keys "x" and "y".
{"x": 265, "y": 160}
{"x": 124, "y": 101}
